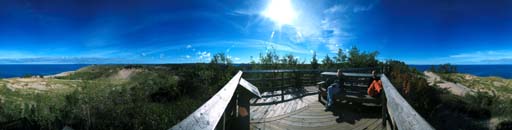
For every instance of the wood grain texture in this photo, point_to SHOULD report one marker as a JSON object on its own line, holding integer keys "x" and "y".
{"x": 253, "y": 89}
{"x": 347, "y": 74}
{"x": 299, "y": 108}
{"x": 401, "y": 113}
{"x": 311, "y": 116}
{"x": 209, "y": 114}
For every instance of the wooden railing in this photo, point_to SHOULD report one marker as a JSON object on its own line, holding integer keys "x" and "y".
{"x": 403, "y": 116}
{"x": 282, "y": 80}
{"x": 230, "y": 109}
{"x": 227, "y": 105}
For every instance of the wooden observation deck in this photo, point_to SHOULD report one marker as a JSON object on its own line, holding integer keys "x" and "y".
{"x": 290, "y": 101}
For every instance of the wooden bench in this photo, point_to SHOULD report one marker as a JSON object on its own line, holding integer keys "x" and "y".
{"x": 354, "y": 88}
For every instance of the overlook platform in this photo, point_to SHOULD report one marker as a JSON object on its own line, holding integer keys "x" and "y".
{"x": 293, "y": 99}
{"x": 301, "y": 110}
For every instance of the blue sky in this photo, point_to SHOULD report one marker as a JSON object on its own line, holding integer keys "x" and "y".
{"x": 172, "y": 31}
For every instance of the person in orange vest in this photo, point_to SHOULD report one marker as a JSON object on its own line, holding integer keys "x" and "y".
{"x": 376, "y": 86}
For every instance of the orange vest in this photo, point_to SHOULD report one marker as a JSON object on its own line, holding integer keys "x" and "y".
{"x": 375, "y": 88}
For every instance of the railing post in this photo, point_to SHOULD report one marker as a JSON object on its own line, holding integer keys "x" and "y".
{"x": 384, "y": 108}
{"x": 224, "y": 121}
{"x": 244, "y": 111}
{"x": 282, "y": 86}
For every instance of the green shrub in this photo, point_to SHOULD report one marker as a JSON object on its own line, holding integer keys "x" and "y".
{"x": 93, "y": 72}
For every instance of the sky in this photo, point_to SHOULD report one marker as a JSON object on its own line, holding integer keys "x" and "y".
{"x": 191, "y": 31}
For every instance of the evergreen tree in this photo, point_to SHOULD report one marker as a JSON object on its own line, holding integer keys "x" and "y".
{"x": 340, "y": 58}
{"x": 220, "y": 58}
{"x": 314, "y": 61}
{"x": 327, "y": 62}
{"x": 362, "y": 59}
{"x": 289, "y": 61}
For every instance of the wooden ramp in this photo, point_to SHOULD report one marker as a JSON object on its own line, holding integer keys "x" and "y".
{"x": 302, "y": 111}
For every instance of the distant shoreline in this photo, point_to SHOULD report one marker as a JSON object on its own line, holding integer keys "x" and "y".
{"x": 501, "y": 71}
{"x": 46, "y": 70}
{"x": 60, "y": 74}
{"x": 21, "y": 70}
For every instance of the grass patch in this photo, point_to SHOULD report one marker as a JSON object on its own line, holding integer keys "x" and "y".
{"x": 157, "y": 97}
{"x": 491, "y": 99}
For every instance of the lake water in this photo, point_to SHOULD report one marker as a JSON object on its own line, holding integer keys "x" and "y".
{"x": 504, "y": 71}
{"x": 19, "y": 70}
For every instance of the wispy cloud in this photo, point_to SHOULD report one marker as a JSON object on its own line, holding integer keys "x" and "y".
{"x": 483, "y": 54}
{"x": 308, "y": 30}
{"x": 484, "y": 57}
{"x": 335, "y": 9}
{"x": 162, "y": 55}
{"x": 204, "y": 56}
{"x": 363, "y": 7}
{"x": 70, "y": 60}
{"x": 11, "y": 54}
{"x": 333, "y": 28}
{"x": 335, "y": 24}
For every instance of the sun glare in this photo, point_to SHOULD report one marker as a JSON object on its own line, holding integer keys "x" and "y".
{"x": 281, "y": 12}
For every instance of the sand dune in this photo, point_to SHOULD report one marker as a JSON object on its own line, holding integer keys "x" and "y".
{"x": 457, "y": 89}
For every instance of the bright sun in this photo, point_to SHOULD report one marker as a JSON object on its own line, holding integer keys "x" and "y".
{"x": 281, "y": 12}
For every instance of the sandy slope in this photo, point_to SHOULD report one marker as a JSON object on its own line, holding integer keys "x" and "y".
{"x": 125, "y": 73}
{"x": 24, "y": 83}
{"x": 457, "y": 89}
{"x": 45, "y": 84}
{"x": 59, "y": 74}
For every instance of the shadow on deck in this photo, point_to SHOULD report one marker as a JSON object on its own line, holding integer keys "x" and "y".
{"x": 302, "y": 110}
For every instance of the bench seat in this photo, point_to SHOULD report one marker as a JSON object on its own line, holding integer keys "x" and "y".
{"x": 350, "y": 91}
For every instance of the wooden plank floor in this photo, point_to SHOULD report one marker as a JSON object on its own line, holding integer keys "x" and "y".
{"x": 304, "y": 112}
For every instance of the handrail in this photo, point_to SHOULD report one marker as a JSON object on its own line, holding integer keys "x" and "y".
{"x": 348, "y": 74}
{"x": 209, "y": 114}
{"x": 206, "y": 117}
{"x": 402, "y": 114}
{"x": 306, "y": 70}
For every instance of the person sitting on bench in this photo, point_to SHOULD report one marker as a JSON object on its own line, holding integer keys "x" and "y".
{"x": 376, "y": 86}
{"x": 333, "y": 89}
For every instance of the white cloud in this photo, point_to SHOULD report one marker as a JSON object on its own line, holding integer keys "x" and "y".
{"x": 361, "y": 8}
{"x": 475, "y": 57}
{"x": 162, "y": 55}
{"x": 335, "y": 9}
{"x": 189, "y": 46}
{"x": 158, "y": 48}
{"x": 334, "y": 36}
{"x": 308, "y": 29}
{"x": 102, "y": 53}
{"x": 187, "y": 56}
{"x": 69, "y": 60}
{"x": 483, "y": 56}
{"x": 14, "y": 54}
{"x": 143, "y": 54}
{"x": 204, "y": 55}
